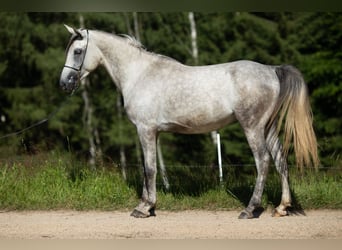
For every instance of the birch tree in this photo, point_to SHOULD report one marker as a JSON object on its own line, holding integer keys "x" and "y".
{"x": 123, "y": 162}
{"x": 193, "y": 35}
{"x": 159, "y": 150}
{"x": 194, "y": 49}
{"x": 92, "y": 132}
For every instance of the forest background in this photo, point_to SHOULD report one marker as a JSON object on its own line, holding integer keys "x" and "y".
{"x": 92, "y": 124}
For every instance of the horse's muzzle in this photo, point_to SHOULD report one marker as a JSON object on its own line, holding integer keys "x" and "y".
{"x": 70, "y": 82}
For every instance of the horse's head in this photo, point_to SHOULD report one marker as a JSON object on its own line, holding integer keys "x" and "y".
{"x": 79, "y": 60}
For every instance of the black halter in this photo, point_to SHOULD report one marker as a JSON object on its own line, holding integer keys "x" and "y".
{"x": 72, "y": 39}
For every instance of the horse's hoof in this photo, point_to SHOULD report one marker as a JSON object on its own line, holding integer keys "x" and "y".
{"x": 152, "y": 212}
{"x": 138, "y": 214}
{"x": 279, "y": 213}
{"x": 246, "y": 215}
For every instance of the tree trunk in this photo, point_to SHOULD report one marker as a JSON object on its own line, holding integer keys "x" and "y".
{"x": 121, "y": 147}
{"x": 128, "y": 24}
{"x": 93, "y": 135}
{"x": 162, "y": 167}
{"x": 193, "y": 35}
{"x": 136, "y": 26}
{"x": 159, "y": 152}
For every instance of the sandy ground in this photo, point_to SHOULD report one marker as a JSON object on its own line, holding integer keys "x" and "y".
{"x": 318, "y": 224}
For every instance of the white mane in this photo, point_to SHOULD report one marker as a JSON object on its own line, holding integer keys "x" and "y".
{"x": 132, "y": 41}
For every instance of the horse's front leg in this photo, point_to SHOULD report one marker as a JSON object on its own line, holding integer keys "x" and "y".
{"x": 147, "y": 204}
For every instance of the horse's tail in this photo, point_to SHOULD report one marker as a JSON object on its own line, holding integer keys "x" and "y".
{"x": 293, "y": 107}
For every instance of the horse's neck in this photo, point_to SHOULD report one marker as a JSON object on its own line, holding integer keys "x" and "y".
{"x": 123, "y": 61}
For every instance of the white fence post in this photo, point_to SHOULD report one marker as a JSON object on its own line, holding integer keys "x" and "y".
{"x": 219, "y": 156}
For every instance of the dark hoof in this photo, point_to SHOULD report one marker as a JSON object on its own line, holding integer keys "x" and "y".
{"x": 152, "y": 212}
{"x": 246, "y": 215}
{"x": 138, "y": 214}
{"x": 257, "y": 212}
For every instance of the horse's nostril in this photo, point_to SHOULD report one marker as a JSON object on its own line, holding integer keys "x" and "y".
{"x": 63, "y": 86}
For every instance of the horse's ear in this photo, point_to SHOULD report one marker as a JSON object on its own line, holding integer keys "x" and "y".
{"x": 71, "y": 30}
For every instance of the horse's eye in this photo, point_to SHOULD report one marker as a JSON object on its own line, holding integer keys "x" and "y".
{"x": 77, "y": 51}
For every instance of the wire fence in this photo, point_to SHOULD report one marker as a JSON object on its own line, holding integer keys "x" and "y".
{"x": 194, "y": 179}
{"x": 40, "y": 158}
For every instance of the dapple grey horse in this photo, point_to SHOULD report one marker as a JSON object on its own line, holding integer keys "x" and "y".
{"x": 161, "y": 94}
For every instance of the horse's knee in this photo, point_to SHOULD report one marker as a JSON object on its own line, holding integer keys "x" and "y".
{"x": 150, "y": 172}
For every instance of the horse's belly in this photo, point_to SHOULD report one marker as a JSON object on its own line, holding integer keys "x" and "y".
{"x": 196, "y": 124}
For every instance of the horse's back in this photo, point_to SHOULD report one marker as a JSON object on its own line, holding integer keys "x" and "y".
{"x": 227, "y": 83}
{"x": 197, "y": 99}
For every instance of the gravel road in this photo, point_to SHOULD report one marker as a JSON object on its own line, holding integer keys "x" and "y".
{"x": 316, "y": 224}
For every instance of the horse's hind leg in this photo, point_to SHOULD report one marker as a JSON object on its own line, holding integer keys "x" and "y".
{"x": 257, "y": 143}
{"x": 275, "y": 147}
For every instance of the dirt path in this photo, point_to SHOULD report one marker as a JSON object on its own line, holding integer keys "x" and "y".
{"x": 322, "y": 224}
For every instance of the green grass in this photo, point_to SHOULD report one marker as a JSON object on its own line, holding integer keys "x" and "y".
{"x": 322, "y": 190}
{"x": 58, "y": 182}
{"x": 215, "y": 199}
{"x": 60, "y": 186}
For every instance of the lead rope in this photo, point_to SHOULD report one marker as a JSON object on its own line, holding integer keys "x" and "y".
{"x": 49, "y": 117}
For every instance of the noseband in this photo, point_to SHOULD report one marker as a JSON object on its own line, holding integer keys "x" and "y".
{"x": 78, "y": 69}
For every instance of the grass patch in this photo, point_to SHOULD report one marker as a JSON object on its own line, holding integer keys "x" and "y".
{"x": 58, "y": 182}
{"x": 215, "y": 199}
{"x": 318, "y": 190}
{"x": 59, "y": 185}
